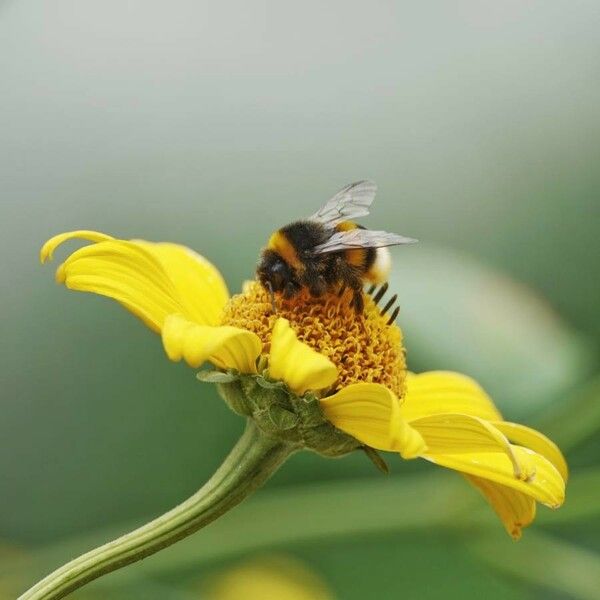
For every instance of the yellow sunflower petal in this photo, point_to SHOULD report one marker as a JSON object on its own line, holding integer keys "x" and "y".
{"x": 124, "y": 272}
{"x": 47, "y": 251}
{"x": 438, "y": 392}
{"x": 202, "y": 290}
{"x": 296, "y": 363}
{"x": 530, "y": 438}
{"x": 544, "y": 483}
{"x": 148, "y": 279}
{"x": 370, "y": 413}
{"x": 515, "y": 509}
{"x": 226, "y": 347}
{"x": 459, "y": 434}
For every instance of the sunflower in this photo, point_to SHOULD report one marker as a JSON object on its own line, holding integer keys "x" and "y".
{"x": 316, "y": 374}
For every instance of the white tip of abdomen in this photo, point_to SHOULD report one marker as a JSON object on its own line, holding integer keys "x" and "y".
{"x": 382, "y": 266}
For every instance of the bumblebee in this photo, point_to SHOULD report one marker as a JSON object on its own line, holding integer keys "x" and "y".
{"x": 328, "y": 251}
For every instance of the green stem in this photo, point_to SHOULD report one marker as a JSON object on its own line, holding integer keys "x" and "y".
{"x": 251, "y": 462}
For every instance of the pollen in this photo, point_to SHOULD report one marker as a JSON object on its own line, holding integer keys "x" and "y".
{"x": 363, "y": 347}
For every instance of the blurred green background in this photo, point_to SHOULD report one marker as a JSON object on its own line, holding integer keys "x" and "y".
{"x": 210, "y": 124}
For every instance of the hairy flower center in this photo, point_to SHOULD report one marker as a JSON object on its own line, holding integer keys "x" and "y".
{"x": 363, "y": 347}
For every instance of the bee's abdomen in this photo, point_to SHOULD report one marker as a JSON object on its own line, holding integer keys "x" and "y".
{"x": 361, "y": 258}
{"x": 379, "y": 269}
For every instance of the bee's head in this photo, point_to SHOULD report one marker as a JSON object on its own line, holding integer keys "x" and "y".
{"x": 273, "y": 272}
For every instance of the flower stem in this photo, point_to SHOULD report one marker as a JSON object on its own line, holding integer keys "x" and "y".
{"x": 252, "y": 461}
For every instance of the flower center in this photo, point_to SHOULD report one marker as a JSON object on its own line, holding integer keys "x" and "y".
{"x": 363, "y": 347}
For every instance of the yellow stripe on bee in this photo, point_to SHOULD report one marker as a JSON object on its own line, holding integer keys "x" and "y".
{"x": 280, "y": 244}
{"x": 356, "y": 257}
{"x": 346, "y": 226}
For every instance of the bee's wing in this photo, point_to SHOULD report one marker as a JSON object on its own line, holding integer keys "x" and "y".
{"x": 361, "y": 238}
{"x": 349, "y": 203}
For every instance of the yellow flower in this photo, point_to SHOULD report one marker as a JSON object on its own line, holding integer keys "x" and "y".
{"x": 352, "y": 366}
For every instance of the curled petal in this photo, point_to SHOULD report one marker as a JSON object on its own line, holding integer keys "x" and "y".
{"x": 124, "y": 272}
{"x": 543, "y": 482}
{"x": 436, "y": 392}
{"x": 150, "y": 280}
{"x": 515, "y": 509}
{"x": 226, "y": 347}
{"x": 296, "y": 363}
{"x": 370, "y": 413}
{"x": 452, "y": 433}
{"x": 530, "y": 438}
{"x": 47, "y": 250}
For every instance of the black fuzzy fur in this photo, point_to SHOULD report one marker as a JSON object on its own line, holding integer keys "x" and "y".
{"x": 322, "y": 272}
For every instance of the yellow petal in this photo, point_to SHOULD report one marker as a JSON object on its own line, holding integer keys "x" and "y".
{"x": 544, "y": 483}
{"x": 47, "y": 251}
{"x": 226, "y": 347}
{"x": 515, "y": 509}
{"x": 460, "y": 434}
{"x": 370, "y": 413}
{"x": 202, "y": 290}
{"x": 438, "y": 392}
{"x": 296, "y": 363}
{"x": 148, "y": 279}
{"x": 530, "y": 438}
{"x": 126, "y": 273}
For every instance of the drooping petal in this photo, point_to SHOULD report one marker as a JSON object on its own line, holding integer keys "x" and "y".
{"x": 515, "y": 509}
{"x": 370, "y": 412}
{"x": 543, "y": 483}
{"x": 148, "y": 279}
{"x": 459, "y": 434}
{"x": 126, "y": 273}
{"x": 530, "y": 438}
{"x": 296, "y": 363}
{"x": 436, "y": 392}
{"x": 226, "y": 347}
{"x": 201, "y": 287}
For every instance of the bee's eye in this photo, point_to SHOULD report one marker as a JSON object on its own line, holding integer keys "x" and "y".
{"x": 279, "y": 267}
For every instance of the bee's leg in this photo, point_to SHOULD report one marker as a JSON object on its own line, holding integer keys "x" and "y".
{"x": 342, "y": 290}
{"x": 393, "y": 316}
{"x": 358, "y": 301}
{"x": 389, "y": 304}
{"x": 352, "y": 278}
{"x": 381, "y": 293}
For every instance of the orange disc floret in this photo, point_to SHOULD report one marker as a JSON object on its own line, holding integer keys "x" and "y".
{"x": 363, "y": 347}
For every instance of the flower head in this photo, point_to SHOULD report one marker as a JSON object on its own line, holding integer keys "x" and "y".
{"x": 318, "y": 373}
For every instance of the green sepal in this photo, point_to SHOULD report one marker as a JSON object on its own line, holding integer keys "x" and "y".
{"x": 234, "y": 396}
{"x": 280, "y": 414}
{"x": 309, "y": 409}
{"x": 282, "y": 418}
{"x": 213, "y": 376}
{"x": 376, "y": 459}
{"x": 269, "y": 385}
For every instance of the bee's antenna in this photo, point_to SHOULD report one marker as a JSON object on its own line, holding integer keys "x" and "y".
{"x": 272, "y": 296}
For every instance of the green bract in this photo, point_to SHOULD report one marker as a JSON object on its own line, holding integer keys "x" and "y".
{"x": 281, "y": 414}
